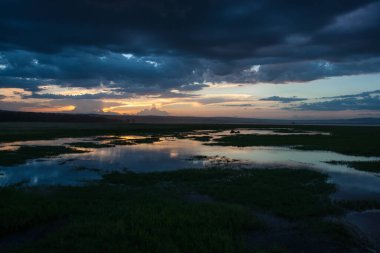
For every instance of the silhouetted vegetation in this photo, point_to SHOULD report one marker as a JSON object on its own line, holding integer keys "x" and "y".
{"x": 90, "y": 145}
{"x": 343, "y": 139}
{"x": 152, "y": 212}
{"x": 359, "y": 205}
{"x": 12, "y": 116}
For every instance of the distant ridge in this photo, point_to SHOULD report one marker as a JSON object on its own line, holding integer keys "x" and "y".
{"x": 13, "y": 116}
{"x": 234, "y": 120}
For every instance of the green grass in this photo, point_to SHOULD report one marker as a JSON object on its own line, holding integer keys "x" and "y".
{"x": 24, "y": 153}
{"x": 20, "y": 210}
{"x": 293, "y": 194}
{"x": 152, "y": 212}
{"x": 119, "y": 219}
{"x": 370, "y": 166}
{"x": 89, "y": 145}
{"x": 363, "y": 141}
{"x": 201, "y": 138}
{"x": 336, "y": 231}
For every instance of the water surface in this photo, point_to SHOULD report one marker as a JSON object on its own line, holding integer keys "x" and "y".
{"x": 172, "y": 153}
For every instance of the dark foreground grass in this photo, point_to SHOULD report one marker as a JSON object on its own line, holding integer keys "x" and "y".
{"x": 153, "y": 212}
{"x": 20, "y": 210}
{"x": 117, "y": 219}
{"x": 346, "y": 140}
{"x": 359, "y": 205}
{"x": 370, "y": 166}
{"x": 292, "y": 194}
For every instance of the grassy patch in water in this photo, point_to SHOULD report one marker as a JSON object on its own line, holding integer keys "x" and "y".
{"x": 370, "y": 166}
{"x": 121, "y": 141}
{"x": 346, "y": 140}
{"x": 201, "y": 138}
{"x": 90, "y": 145}
{"x": 24, "y": 153}
{"x": 146, "y": 140}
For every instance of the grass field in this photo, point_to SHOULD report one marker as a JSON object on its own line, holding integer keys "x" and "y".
{"x": 192, "y": 210}
{"x": 209, "y": 210}
{"x": 364, "y": 141}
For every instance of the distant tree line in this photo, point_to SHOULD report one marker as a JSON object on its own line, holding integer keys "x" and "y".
{"x": 12, "y": 116}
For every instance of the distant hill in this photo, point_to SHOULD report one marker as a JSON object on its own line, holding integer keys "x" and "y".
{"x": 12, "y": 116}
{"x": 234, "y": 120}
{"x": 9, "y": 116}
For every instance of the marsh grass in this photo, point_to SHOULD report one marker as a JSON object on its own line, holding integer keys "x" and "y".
{"x": 202, "y": 138}
{"x": 359, "y": 205}
{"x": 119, "y": 219}
{"x": 90, "y": 145}
{"x": 335, "y": 231}
{"x": 289, "y": 193}
{"x": 151, "y": 212}
{"x": 21, "y": 209}
{"x": 346, "y": 140}
{"x": 351, "y": 140}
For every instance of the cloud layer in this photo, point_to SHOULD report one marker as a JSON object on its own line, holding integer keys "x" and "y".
{"x": 152, "y": 47}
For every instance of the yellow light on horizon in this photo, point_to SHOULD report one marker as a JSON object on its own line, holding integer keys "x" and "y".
{"x": 66, "y": 108}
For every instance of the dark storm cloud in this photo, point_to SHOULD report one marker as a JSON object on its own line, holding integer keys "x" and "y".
{"x": 283, "y": 99}
{"x": 362, "y": 101}
{"x": 89, "y": 69}
{"x": 181, "y": 44}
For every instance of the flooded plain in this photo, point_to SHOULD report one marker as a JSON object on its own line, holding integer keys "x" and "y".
{"x": 169, "y": 153}
{"x": 99, "y": 155}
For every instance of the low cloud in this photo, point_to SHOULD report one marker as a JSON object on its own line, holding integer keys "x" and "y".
{"x": 152, "y": 112}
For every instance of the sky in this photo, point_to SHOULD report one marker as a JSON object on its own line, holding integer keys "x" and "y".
{"x": 259, "y": 59}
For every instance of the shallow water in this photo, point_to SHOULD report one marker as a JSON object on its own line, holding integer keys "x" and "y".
{"x": 171, "y": 154}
